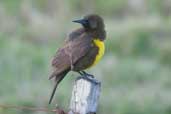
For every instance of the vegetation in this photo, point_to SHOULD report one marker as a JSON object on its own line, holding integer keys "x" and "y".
{"x": 135, "y": 71}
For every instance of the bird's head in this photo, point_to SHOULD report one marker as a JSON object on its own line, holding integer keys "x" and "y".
{"x": 91, "y": 22}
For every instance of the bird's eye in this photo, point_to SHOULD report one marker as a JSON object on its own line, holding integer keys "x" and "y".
{"x": 86, "y": 21}
{"x": 93, "y": 24}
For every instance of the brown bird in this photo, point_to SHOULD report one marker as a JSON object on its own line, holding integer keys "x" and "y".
{"x": 83, "y": 48}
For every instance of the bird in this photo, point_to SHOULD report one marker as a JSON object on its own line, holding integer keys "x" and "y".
{"x": 82, "y": 49}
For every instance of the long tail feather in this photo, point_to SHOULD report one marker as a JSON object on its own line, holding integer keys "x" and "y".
{"x": 53, "y": 92}
{"x": 59, "y": 78}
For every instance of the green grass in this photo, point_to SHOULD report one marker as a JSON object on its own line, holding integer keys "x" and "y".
{"x": 130, "y": 85}
{"x": 135, "y": 71}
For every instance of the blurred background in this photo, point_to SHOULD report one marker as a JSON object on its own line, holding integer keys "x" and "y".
{"x": 135, "y": 71}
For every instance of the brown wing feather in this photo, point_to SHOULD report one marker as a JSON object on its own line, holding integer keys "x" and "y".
{"x": 70, "y": 53}
{"x": 73, "y": 50}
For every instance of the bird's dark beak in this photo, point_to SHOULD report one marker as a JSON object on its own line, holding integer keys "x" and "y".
{"x": 81, "y": 21}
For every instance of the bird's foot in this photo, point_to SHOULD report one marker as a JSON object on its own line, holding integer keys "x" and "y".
{"x": 89, "y": 77}
{"x": 80, "y": 73}
{"x": 87, "y": 74}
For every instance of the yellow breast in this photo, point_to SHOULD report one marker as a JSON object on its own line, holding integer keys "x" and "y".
{"x": 101, "y": 46}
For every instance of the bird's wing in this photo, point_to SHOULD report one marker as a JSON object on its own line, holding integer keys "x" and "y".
{"x": 70, "y": 53}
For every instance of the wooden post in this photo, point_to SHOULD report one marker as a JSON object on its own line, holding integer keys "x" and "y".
{"x": 85, "y": 96}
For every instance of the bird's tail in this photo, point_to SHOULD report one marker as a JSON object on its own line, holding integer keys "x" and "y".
{"x": 58, "y": 79}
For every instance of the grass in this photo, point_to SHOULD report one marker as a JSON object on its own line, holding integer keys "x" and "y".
{"x": 130, "y": 85}
{"x": 135, "y": 71}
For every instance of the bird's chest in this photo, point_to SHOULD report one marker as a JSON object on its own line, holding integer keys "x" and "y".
{"x": 101, "y": 50}
{"x": 92, "y": 57}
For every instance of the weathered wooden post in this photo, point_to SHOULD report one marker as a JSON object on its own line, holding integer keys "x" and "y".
{"x": 85, "y": 96}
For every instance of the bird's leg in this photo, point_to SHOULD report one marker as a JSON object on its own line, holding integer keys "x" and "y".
{"x": 80, "y": 73}
{"x": 87, "y": 75}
